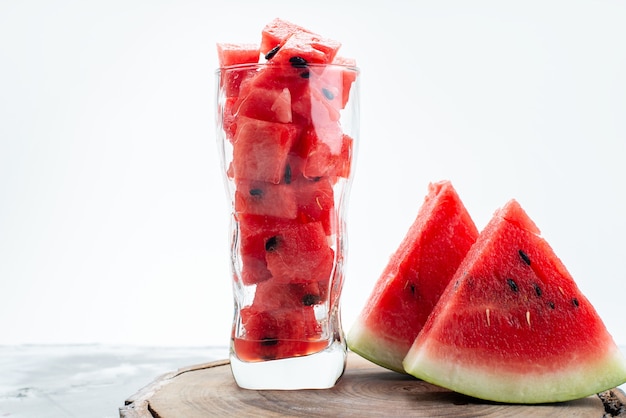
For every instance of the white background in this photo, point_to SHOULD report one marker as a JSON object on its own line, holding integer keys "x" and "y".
{"x": 113, "y": 215}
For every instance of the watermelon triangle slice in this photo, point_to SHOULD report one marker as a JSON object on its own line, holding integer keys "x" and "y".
{"x": 414, "y": 278}
{"x": 512, "y": 326}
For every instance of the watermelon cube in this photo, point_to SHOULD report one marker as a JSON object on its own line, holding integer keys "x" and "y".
{"x": 232, "y": 78}
{"x": 348, "y": 77}
{"x": 234, "y": 54}
{"x": 260, "y": 149}
{"x": 276, "y": 334}
{"x": 255, "y": 231}
{"x": 315, "y": 199}
{"x": 302, "y": 48}
{"x": 300, "y": 253}
{"x": 271, "y": 295}
{"x": 276, "y": 33}
{"x": 270, "y": 104}
{"x": 228, "y": 118}
{"x": 262, "y": 198}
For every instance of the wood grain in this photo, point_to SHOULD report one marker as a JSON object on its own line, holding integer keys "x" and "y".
{"x": 365, "y": 390}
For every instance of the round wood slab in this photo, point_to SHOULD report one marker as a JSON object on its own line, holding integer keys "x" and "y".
{"x": 365, "y": 390}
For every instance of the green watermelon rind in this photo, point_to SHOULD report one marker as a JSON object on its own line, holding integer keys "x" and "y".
{"x": 583, "y": 379}
{"x": 367, "y": 344}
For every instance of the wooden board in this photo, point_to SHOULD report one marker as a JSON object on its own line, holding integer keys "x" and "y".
{"x": 365, "y": 390}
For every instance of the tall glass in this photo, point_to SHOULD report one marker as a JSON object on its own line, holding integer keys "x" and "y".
{"x": 287, "y": 136}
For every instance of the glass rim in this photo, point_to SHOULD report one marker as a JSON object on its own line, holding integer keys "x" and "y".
{"x": 252, "y": 65}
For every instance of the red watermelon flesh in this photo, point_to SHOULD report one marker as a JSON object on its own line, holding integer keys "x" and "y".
{"x": 232, "y": 79}
{"x": 235, "y": 54}
{"x": 348, "y": 77}
{"x": 261, "y": 148}
{"x": 229, "y": 120}
{"x": 255, "y": 232}
{"x": 272, "y": 295}
{"x": 316, "y": 202}
{"x": 276, "y": 33}
{"x": 300, "y": 253}
{"x": 262, "y": 198}
{"x": 282, "y": 40}
{"x": 288, "y": 251}
{"x": 413, "y": 280}
{"x": 270, "y": 104}
{"x": 512, "y": 326}
{"x": 306, "y": 48}
{"x": 276, "y": 334}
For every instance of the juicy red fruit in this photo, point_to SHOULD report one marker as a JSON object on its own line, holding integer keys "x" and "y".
{"x": 260, "y": 149}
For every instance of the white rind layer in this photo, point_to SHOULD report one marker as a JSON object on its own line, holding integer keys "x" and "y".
{"x": 488, "y": 382}
{"x": 368, "y": 345}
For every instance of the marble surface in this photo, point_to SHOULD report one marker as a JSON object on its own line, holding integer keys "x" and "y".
{"x": 85, "y": 381}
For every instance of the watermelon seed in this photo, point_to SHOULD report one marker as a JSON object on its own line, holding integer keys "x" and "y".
{"x": 537, "y": 290}
{"x": 305, "y": 74}
{"x": 256, "y": 192}
{"x": 269, "y": 341}
{"x": 512, "y": 285}
{"x": 575, "y": 302}
{"x": 288, "y": 174}
{"x": 524, "y": 257}
{"x": 272, "y": 52}
{"x": 487, "y": 311}
{"x": 271, "y": 244}
{"x": 310, "y": 300}
{"x": 328, "y": 94}
{"x": 298, "y": 62}
{"x": 551, "y": 304}
{"x": 528, "y": 317}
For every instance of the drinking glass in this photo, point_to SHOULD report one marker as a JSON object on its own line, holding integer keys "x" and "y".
{"x": 287, "y": 136}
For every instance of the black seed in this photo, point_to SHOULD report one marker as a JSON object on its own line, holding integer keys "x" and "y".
{"x": 256, "y": 192}
{"x": 512, "y": 285}
{"x": 551, "y": 304}
{"x": 271, "y": 244}
{"x": 310, "y": 300}
{"x": 537, "y": 290}
{"x": 575, "y": 302}
{"x": 412, "y": 289}
{"x": 524, "y": 257}
{"x": 316, "y": 179}
{"x": 272, "y": 52}
{"x": 288, "y": 174}
{"x": 328, "y": 94}
{"x": 298, "y": 62}
{"x": 269, "y": 341}
{"x": 305, "y": 74}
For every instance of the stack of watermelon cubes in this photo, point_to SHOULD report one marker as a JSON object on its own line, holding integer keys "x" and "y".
{"x": 287, "y": 157}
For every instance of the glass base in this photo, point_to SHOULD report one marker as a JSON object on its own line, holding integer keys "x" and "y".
{"x": 315, "y": 371}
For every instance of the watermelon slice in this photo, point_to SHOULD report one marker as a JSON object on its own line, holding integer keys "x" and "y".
{"x": 512, "y": 326}
{"x": 414, "y": 278}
